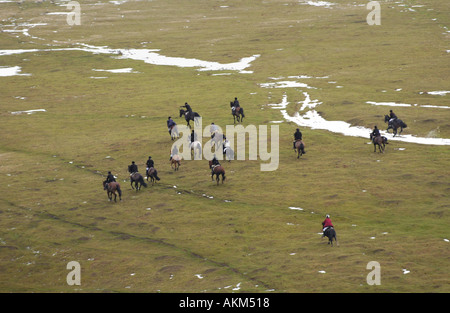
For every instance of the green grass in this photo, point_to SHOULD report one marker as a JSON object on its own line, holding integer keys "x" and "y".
{"x": 53, "y": 209}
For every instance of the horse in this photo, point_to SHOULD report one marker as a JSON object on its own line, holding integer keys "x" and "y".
{"x": 217, "y": 170}
{"x": 111, "y": 189}
{"x": 173, "y": 131}
{"x": 189, "y": 117}
{"x": 153, "y": 174}
{"x": 395, "y": 124}
{"x": 381, "y": 141}
{"x": 299, "y": 148}
{"x": 331, "y": 234}
{"x": 138, "y": 181}
{"x": 196, "y": 149}
{"x": 238, "y": 113}
{"x": 175, "y": 161}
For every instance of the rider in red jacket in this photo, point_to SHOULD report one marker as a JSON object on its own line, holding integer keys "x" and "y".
{"x": 326, "y": 223}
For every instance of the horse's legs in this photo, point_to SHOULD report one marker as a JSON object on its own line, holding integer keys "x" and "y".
{"x": 131, "y": 184}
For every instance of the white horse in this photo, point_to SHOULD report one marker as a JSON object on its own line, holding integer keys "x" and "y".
{"x": 196, "y": 146}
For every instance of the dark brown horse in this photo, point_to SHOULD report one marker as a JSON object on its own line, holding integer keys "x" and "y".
{"x": 217, "y": 170}
{"x": 175, "y": 162}
{"x": 299, "y": 148}
{"x": 238, "y": 113}
{"x": 395, "y": 124}
{"x": 379, "y": 141}
{"x": 153, "y": 174}
{"x": 111, "y": 189}
{"x": 138, "y": 181}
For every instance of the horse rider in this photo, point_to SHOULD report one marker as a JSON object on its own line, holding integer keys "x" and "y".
{"x": 298, "y": 136}
{"x": 170, "y": 124}
{"x": 193, "y": 136}
{"x": 225, "y": 145}
{"x": 132, "y": 168}
{"x": 215, "y": 163}
{"x": 173, "y": 152}
{"x": 235, "y": 105}
{"x": 188, "y": 108}
{"x": 392, "y": 116}
{"x": 326, "y": 223}
{"x": 213, "y": 129}
{"x": 150, "y": 163}
{"x": 109, "y": 179}
{"x": 375, "y": 133}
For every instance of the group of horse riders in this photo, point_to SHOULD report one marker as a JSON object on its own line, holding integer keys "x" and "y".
{"x": 376, "y": 132}
{"x": 298, "y": 136}
{"x": 132, "y": 168}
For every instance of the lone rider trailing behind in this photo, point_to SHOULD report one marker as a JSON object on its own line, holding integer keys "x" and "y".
{"x": 325, "y": 224}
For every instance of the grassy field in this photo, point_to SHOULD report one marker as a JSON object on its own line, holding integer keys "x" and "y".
{"x": 185, "y": 233}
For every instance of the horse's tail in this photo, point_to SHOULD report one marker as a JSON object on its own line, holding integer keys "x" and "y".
{"x": 119, "y": 190}
{"x": 242, "y": 112}
{"x": 141, "y": 180}
{"x": 156, "y": 175}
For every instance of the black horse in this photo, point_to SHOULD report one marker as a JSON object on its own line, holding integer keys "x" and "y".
{"x": 138, "y": 181}
{"x": 237, "y": 112}
{"x": 394, "y": 125}
{"x": 381, "y": 141}
{"x": 189, "y": 116}
{"x": 331, "y": 234}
